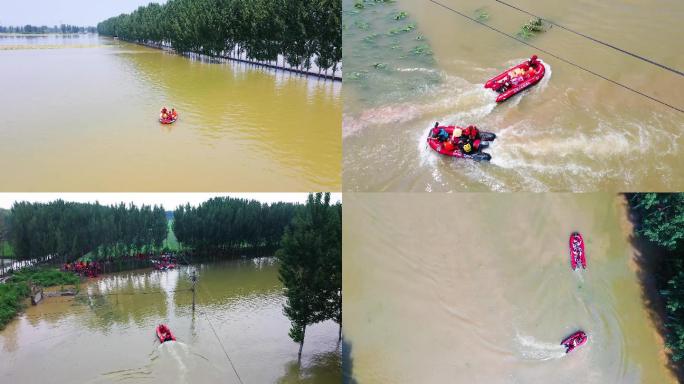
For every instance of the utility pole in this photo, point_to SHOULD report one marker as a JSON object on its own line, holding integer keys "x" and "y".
{"x": 194, "y": 282}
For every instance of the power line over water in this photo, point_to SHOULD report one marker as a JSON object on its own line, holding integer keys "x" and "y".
{"x": 558, "y": 57}
{"x": 665, "y": 67}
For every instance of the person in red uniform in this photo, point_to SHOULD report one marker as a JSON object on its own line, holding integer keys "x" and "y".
{"x": 472, "y": 136}
{"x": 533, "y": 62}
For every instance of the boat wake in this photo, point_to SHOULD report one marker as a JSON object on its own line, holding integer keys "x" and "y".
{"x": 581, "y": 160}
{"x": 173, "y": 361}
{"x": 453, "y": 101}
{"x": 532, "y": 349}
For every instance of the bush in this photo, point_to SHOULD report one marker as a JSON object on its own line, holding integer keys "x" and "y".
{"x": 45, "y": 277}
{"x": 11, "y": 296}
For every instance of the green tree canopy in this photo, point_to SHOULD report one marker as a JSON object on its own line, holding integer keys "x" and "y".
{"x": 310, "y": 266}
{"x": 302, "y": 32}
{"x": 660, "y": 219}
{"x": 68, "y": 230}
{"x": 224, "y": 224}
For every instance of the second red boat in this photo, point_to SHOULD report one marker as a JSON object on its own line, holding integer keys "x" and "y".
{"x": 516, "y": 79}
{"x": 578, "y": 257}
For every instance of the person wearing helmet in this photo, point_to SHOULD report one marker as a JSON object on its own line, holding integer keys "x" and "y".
{"x": 439, "y": 133}
{"x": 164, "y": 114}
{"x": 174, "y": 114}
{"x": 456, "y": 135}
{"x": 453, "y": 143}
{"x": 471, "y": 132}
{"x": 448, "y": 146}
{"x": 435, "y": 131}
{"x": 499, "y": 86}
{"x": 533, "y": 61}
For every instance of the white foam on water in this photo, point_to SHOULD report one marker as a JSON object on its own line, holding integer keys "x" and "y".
{"x": 533, "y": 349}
{"x": 544, "y": 82}
{"x": 417, "y": 69}
{"x": 471, "y": 101}
{"x": 520, "y": 149}
{"x": 477, "y": 103}
{"x": 477, "y": 172}
{"x": 172, "y": 348}
{"x": 426, "y": 155}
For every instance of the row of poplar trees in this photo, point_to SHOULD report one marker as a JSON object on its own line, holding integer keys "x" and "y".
{"x": 222, "y": 226}
{"x": 65, "y": 231}
{"x": 311, "y": 266}
{"x": 35, "y": 29}
{"x": 302, "y": 31}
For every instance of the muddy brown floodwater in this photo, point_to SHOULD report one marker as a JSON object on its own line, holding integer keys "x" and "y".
{"x": 478, "y": 288}
{"x": 107, "y": 333}
{"x": 571, "y": 132}
{"x": 80, "y": 114}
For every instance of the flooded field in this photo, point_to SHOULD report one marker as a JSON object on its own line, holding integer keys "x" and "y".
{"x": 81, "y": 113}
{"x": 478, "y": 288}
{"x": 409, "y": 64}
{"x": 107, "y": 332}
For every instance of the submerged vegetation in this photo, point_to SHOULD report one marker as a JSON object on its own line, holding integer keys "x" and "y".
{"x": 401, "y": 15}
{"x": 660, "y": 220}
{"x": 481, "y": 14}
{"x": 531, "y": 28}
{"x": 302, "y": 32}
{"x": 386, "y": 39}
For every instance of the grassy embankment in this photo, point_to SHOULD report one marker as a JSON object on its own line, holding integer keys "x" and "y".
{"x": 171, "y": 242}
{"x": 16, "y": 289}
{"x": 6, "y": 250}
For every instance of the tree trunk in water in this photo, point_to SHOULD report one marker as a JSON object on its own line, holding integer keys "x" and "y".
{"x": 301, "y": 345}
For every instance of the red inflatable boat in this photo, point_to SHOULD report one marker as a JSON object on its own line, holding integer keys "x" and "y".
{"x": 167, "y": 121}
{"x": 578, "y": 257}
{"x": 164, "y": 333}
{"x": 507, "y": 87}
{"x": 441, "y": 147}
{"x": 573, "y": 341}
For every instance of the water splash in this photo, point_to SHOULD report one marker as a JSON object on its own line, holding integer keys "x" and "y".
{"x": 533, "y": 349}
{"x": 469, "y": 104}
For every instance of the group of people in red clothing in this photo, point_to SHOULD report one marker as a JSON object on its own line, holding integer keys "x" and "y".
{"x": 83, "y": 268}
{"x": 164, "y": 262}
{"x": 467, "y": 140}
{"x": 166, "y": 114}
